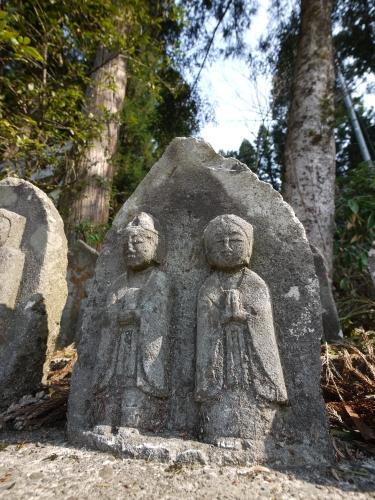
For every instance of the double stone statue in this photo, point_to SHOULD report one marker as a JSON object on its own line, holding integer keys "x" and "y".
{"x": 238, "y": 368}
{"x": 182, "y": 337}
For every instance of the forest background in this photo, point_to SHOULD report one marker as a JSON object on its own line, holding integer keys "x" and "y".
{"x": 92, "y": 92}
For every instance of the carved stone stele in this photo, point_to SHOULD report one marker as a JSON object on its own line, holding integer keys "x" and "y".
{"x": 202, "y": 343}
{"x": 33, "y": 288}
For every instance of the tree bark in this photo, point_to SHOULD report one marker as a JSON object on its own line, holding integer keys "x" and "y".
{"x": 310, "y": 146}
{"x": 94, "y": 169}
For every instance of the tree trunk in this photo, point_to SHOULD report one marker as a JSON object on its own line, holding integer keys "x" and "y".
{"x": 310, "y": 145}
{"x": 94, "y": 169}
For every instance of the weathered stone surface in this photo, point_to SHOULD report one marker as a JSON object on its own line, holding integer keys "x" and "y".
{"x": 188, "y": 336}
{"x": 81, "y": 267}
{"x": 371, "y": 262}
{"x": 331, "y": 324}
{"x": 32, "y": 285}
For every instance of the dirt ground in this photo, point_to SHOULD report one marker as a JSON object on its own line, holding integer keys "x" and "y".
{"x": 42, "y": 464}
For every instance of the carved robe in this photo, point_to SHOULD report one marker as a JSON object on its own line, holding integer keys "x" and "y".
{"x": 236, "y": 343}
{"x": 137, "y": 334}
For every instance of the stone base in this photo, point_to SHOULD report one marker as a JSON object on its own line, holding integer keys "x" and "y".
{"x": 130, "y": 443}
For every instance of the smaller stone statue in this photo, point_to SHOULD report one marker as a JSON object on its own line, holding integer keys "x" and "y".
{"x": 12, "y": 259}
{"x": 238, "y": 369}
{"x": 135, "y": 343}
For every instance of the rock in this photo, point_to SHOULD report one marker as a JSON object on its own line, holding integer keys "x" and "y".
{"x": 331, "y": 324}
{"x": 190, "y": 457}
{"x": 148, "y": 451}
{"x": 204, "y": 318}
{"x": 33, "y": 288}
{"x": 106, "y": 472}
{"x": 35, "y": 476}
{"x": 81, "y": 267}
{"x": 371, "y": 262}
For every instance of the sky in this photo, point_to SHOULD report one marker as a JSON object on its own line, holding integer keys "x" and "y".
{"x": 239, "y": 102}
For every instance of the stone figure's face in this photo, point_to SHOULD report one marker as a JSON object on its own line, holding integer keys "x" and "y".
{"x": 140, "y": 248}
{"x": 4, "y": 230}
{"x": 227, "y": 247}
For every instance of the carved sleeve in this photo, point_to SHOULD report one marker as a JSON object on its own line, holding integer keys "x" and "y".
{"x": 210, "y": 352}
{"x": 154, "y": 349}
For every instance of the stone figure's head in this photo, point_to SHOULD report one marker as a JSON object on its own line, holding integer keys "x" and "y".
{"x": 141, "y": 242}
{"x": 12, "y": 226}
{"x": 228, "y": 242}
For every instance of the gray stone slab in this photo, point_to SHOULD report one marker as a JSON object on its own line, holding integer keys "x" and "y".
{"x": 33, "y": 259}
{"x": 203, "y": 321}
{"x": 81, "y": 267}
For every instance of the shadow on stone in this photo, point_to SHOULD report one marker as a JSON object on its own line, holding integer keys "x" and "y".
{"x": 23, "y": 347}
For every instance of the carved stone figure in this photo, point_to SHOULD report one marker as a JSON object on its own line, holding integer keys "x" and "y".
{"x": 238, "y": 363}
{"x": 12, "y": 259}
{"x": 33, "y": 288}
{"x": 134, "y": 345}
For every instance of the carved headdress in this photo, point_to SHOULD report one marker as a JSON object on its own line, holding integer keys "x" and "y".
{"x": 147, "y": 224}
{"x": 143, "y": 221}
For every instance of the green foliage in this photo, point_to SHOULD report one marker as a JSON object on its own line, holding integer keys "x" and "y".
{"x": 355, "y": 38}
{"x": 44, "y": 78}
{"x": 246, "y": 154}
{"x": 355, "y": 231}
{"x": 48, "y": 49}
{"x": 227, "y": 19}
{"x": 92, "y": 234}
{"x": 259, "y": 158}
{"x": 348, "y": 154}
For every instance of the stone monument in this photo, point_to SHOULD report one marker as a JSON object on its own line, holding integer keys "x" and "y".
{"x": 81, "y": 267}
{"x": 200, "y": 339}
{"x": 32, "y": 285}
